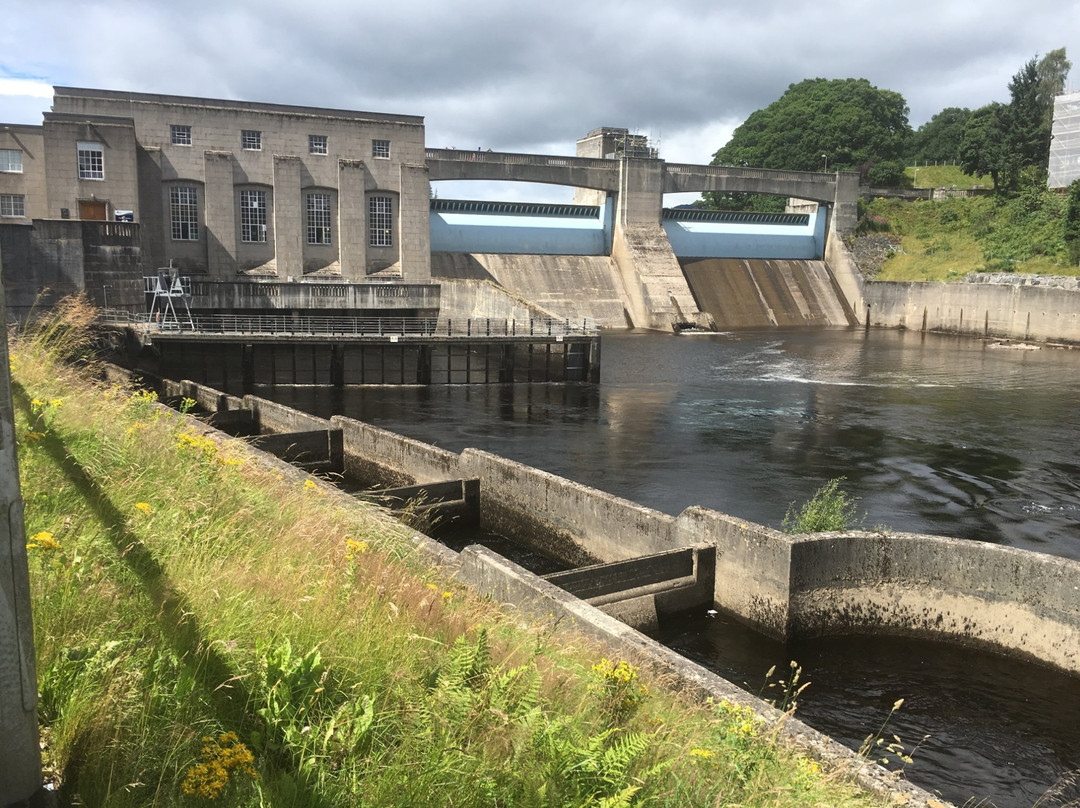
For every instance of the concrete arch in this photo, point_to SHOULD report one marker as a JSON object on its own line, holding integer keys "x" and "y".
{"x": 576, "y": 172}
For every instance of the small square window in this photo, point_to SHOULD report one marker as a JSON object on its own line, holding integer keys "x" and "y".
{"x": 180, "y": 134}
{"x": 316, "y": 144}
{"x": 12, "y": 205}
{"x": 11, "y": 160}
{"x": 251, "y": 139}
{"x": 380, "y": 148}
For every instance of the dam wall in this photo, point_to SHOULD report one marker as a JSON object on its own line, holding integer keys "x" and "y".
{"x": 1039, "y": 313}
{"x": 1016, "y": 602}
{"x": 568, "y": 287}
{"x": 762, "y": 293}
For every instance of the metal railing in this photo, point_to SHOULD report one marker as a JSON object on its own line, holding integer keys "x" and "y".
{"x": 303, "y": 325}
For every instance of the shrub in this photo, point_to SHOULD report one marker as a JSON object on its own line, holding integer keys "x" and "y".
{"x": 829, "y": 509}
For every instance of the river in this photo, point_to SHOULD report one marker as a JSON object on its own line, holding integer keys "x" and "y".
{"x": 932, "y": 434}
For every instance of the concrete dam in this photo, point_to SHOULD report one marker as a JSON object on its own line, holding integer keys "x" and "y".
{"x": 760, "y": 292}
{"x": 710, "y": 269}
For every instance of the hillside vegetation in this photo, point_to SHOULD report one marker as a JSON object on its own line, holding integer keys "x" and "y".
{"x": 946, "y": 240}
{"x": 211, "y": 629}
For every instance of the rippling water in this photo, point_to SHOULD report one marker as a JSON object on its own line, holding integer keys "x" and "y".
{"x": 933, "y": 434}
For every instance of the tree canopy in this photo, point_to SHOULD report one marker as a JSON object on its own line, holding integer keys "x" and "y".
{"x": 818, "y": 125}
{"x": 846, "y": 122}
{"x": 1006, "y": 140}
{"x": 938, "y": 140}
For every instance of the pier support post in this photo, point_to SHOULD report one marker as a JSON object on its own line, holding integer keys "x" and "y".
{"x": 20, "y": 755}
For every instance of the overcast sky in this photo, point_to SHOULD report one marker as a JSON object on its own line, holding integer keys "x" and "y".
{"x": 518, "y": 75}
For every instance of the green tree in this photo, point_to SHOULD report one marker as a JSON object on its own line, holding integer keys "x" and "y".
{"x": 1008, "y": 141}
{"x": 1052, "y": 71}
{"x": 841, "y": 124}
{"x": 939, "y": 139}
{"x": 1072, "y": 223}
{"x": 983, "y": 149}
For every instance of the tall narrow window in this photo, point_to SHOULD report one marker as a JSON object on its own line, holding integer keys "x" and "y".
{"x": 91, "y": 161}
{"x": 251, "y": 139}
{"x": 318, "y": 218}
{"x": 12, "y": 205}
{"x": 184, "y": 212}
{"x": 11, "y": 160}
{"x": 180, "y": 134}
{"x": 253, "y": 216}
{"x": 380, "y": 222}
{"x": 380, "y": 148}
{"x": 317, "y": 144}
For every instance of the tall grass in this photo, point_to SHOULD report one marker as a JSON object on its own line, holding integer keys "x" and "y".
{"x": 210, "y": 629}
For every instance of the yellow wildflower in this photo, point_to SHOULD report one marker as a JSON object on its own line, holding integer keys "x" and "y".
{"x": 221, "y": 757}
{"x": 43, "y": 540}
{"x": 353, "y": 548}
{"x": 310, "y": 485}
{"x": 144, "y": 507}
{"x": 702, "y": 753}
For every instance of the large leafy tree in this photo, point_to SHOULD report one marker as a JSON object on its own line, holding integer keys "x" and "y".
{"x": 939, "y": 139}
{"x": 847, "y": 121}
{"x": 841, "y": 124}
{"x": 1007, "y": 140}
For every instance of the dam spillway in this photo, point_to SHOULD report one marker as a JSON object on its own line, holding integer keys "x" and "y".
{"x": 761, "y": 292}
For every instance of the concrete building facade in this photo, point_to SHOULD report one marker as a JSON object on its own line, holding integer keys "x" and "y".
{"x": 229, "y": 188}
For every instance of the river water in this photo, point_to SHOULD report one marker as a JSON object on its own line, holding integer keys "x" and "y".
{"x": 933, "y": 434}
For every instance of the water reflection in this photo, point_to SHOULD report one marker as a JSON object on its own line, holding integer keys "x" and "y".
{"x": 934, "y": 434}
{"x": 999, "y": 730}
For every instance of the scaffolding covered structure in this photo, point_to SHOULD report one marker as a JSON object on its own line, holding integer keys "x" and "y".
{"x": 1064, "y": 165}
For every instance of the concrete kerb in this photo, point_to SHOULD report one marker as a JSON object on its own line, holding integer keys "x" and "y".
{"x": 491, "y": 574}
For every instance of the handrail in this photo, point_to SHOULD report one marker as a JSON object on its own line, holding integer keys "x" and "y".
{"x": 304, "y": 325}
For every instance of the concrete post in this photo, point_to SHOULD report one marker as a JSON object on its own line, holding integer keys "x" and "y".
{"x": 352, "y": 219}
{"x": 220, "y": 211}
{"x": 20, "y": 755}
{"x": 289, "y": 209}
{"x": 414, "y": 224}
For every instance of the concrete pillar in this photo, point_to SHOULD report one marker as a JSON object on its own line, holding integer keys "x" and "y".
{"x": 153, "y": 215}
{"x": 289, "y": 212}
{"x": 352, "y": 219}
{"x": 414, "y": 224}
{"x": 845, "y": 209}
{"x": 641, "y": 192}
{"x": 220, "y": 215}
{"x": 20, "y": 755}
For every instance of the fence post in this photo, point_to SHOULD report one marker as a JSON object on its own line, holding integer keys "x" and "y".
{"x": 20, "y": 772}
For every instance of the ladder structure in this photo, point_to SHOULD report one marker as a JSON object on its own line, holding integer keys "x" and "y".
{"x": 168, "y": 288}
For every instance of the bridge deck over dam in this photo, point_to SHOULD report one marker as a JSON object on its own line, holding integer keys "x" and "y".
{"x": 604, "y": 174}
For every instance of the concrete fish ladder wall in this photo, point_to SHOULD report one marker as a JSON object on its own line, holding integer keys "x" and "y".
{"x": 979, "y": 309}
{"x": 1017, "y": 602}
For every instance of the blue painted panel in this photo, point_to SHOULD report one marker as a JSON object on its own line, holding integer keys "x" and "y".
{"x": 730, "y": 240}
{"x": 517, "y": 234}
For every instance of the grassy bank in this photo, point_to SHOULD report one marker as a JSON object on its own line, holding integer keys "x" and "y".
{"x": 213, "y": 630}
{"x": 946, "y": 240}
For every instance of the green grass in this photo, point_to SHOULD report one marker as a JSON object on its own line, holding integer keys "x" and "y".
{"x": 944, "y": 177}
{"x": 946, "y": 240}
{"x": 212, "y": 630}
